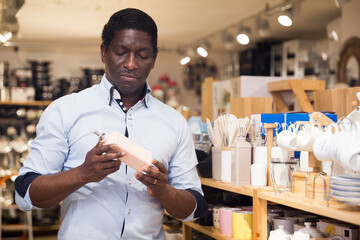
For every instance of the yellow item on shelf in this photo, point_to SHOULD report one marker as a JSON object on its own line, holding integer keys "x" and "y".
{"x": 242, "y": 222}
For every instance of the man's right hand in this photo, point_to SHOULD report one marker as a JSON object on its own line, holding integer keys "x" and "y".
{"x": 100, "y": 161}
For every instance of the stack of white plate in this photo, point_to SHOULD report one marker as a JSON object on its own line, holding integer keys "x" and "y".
{"x": 346, "y": 188}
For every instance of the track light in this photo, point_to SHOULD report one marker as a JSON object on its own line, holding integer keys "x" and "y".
{"x": 243, "y": 36}
{"x": 184, "y": 60}
{"x": 285, "y": 20}
{"x": 203, "y": 49}
{"x": 228, "y": 39}
{"x": 184, "y": 57}
{"x": 263, "y": 26}
{"x": 5, "y": 36}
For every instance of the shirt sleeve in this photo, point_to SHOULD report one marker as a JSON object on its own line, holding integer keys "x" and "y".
{"x": 183, "y": 173}
{"x": 48, "y": 152}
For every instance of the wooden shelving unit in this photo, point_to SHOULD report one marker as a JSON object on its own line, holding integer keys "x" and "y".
{"x": 341, "y": 212}
{"x": 244, "y": 190}
{"x": 261, "y": 198}
{"x": 28, "y": 103}
{"x": 299, "y": 88}
{"x": 207, "y": 230}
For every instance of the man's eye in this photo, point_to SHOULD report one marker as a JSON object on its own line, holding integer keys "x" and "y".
{"x": 143, "y": 56}
{"x": 120, "y": 53}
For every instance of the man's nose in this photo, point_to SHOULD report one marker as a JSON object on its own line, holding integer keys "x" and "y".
{"x": 130, "y": 62}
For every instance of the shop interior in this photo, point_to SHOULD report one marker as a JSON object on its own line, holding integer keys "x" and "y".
{"x": 242, "y": 73}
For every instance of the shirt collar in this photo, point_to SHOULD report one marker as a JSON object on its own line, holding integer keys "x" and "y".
{"x": 115, "y": 94}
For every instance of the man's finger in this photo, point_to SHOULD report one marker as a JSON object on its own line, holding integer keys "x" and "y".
{"x": 159, "y": 165}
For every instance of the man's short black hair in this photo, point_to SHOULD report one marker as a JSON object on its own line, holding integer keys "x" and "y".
{"x": 130, "y": 18}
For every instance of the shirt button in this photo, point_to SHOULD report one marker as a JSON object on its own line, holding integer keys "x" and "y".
{"x": 129, "y": 211}
{"x": 129, "y": 182}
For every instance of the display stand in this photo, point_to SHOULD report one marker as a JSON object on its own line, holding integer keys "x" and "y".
{"x": 299, "y": 88}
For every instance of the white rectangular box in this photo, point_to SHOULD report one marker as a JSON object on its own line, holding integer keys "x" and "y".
{"x": 251, "y": 86}
{"x": 22, "y": 94}
{"x": 331, "y": 228}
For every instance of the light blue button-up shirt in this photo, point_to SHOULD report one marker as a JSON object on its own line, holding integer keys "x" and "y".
{"x": 98, "y": 210}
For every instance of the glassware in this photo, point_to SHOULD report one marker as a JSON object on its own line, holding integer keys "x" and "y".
{"x": 281, "y": 174}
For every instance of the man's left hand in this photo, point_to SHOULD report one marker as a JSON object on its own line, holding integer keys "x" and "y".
{"x": 155, "y": 178}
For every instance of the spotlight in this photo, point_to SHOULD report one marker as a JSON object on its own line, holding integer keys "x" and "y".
{"x": 334, "y": 35}
{"x": 285, "y": 19}
{"x": 184, "y": 57}
{"x": 5, "y": 36}
{"x": 184, "y": 60}
{"x": 203, "y": 49}
{"x": 243, "y": 36}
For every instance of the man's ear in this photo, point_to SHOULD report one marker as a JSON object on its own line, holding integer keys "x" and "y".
{"x": 103, "y": 52}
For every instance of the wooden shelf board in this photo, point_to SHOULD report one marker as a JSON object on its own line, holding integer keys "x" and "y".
{"x": 208, "y": 230}
{"x": 46, "y": 227}
{"x": 27, "y": 103}
{"x": 245, "y": 189}
{"x": 342, "y": 212}
{"x": 307, "y": 84}
{"x": 14, "y": 227}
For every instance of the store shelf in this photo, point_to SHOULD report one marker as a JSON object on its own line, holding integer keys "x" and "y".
{"x": 46, "y": 228}
{"x": 14, "y": 227}
{"x": 207, "y": 230}
{"x": 27, "y": 103}
{"x": 342, "y": 212}
{"x": 244, "y": 190}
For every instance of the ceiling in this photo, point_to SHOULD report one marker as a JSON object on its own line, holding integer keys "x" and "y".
{"x": 180, "y": 22}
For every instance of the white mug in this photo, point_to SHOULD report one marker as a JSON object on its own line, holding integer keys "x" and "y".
{"x": 322, "y": 144}
{"x": 345, "y": 148}
{"x": 306, "y": 137}
{"x": 287, "y": 138}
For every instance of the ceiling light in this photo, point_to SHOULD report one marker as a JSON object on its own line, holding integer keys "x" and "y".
{"x": 203, "y": 49}
{"x": 285, "y": 20}
{"x": 5, "y": 36}
{"x": 334, "y": 35}
{"x": 185, "y": 60}
{"x": 243, "y": 36}
{"x": 184, "y": 57}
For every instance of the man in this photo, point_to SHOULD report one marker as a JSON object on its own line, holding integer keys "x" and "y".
{"x": 103, "y": 198}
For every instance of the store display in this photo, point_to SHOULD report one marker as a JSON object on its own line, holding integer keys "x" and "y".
{"x": 279, "y": 234}
{"x": 258, "y": 175}
{"x": 281, "y": 173}
{"x": 346, "y": 188}
{"x": 338, "y": 230}
{"x": 286, "y": 222}
{"x": 240, "y": 161}
{"x": 225, "y": 220}
{"x": 242, "y": 223}
{"x": 226, "y": 169}
{"x": 216, "y": 163}
{"x": 313, "y": 232}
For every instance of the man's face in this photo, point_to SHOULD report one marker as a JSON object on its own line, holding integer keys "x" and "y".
{"x": 128, "y": 60}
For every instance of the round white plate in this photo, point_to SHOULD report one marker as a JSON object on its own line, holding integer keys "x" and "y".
{"x": 345, "y": 193}
{"x": 195, "y": 125}
{"x": 344, "y": 181}
{"x": 351, "y": 176}
{"x": 346, "y": 188}
{"x": 346, "y": 199}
